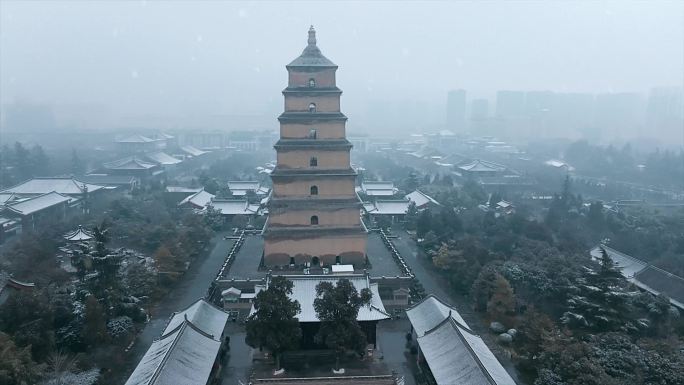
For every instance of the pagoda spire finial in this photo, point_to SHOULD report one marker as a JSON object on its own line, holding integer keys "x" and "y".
{"x": 312, "y": 35}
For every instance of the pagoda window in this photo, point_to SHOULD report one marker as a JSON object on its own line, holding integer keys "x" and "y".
{"x": 314, "y": 190}
{"x": 313, "y": 162}
{"x": 312, "y": 133}
{"x": 312, "y": 83}
{"x": 314, "y": 220}
{"x": 312, "y": 107}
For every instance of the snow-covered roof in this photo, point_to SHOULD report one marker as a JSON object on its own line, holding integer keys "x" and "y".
{"x": 35, "y": 204}
{"x": 129, "y": 163}
{"x": 205, "y": 316}
{"x": 558, "y": 164}
{"x": 194, "y": 151}
{"x": 162, "y": 158}
{"x": 378, "y": 188}
{"x": 243, "y": 185}
{"x": 181, "y": 189}
{"x": 387, "y": 207}
{"x": 659, "y": 281}
{"x": 304, "y": 291}
{"x": 421, "y": 199}
{"x": 479, "y": 165}
{"x": 628, "y": 265}
{"x": 429, "y": 312}
{"x": 234, "y": 207}
{"x": 136, "y": 138}
{"x": 647, "y": 277}
{"x": 336, "y": 269}
{"x": 79, "y": 234}
{"x": 198, "y": 199}
{"x": 231, "y": 291}
{"x": 37, "y": 186}
{"x": 108, "y": 180}
{"x": 453, "y": 352}
{"x": 185, "y": 355}
{"x": 6, "y": 197}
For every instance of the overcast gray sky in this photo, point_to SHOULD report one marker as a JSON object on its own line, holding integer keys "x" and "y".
{"x": 224, "y": 57}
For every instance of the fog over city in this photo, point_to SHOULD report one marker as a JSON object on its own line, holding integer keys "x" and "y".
{"x": 219, "y": 64}
{"x": 342, "y": 193}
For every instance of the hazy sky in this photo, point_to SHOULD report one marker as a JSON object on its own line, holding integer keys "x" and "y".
{"x": 223, "y": 57}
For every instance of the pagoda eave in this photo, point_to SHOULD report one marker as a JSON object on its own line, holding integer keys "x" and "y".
{"x": 297, "y": 145}
{"x": 307, "y": 173}
{"x": 307, "y": 91}
{"x": 293, "y": 232}
{"x": 306, "y": 117}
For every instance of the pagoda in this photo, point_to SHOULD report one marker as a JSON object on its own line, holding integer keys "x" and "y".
{"x": 314, "y": 212}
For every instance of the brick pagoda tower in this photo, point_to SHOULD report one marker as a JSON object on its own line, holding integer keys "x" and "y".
{"x": 314, "y": 212}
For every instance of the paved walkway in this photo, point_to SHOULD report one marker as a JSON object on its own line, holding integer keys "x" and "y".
{"x": 192, "y": 286}
{"x": 246, "y": 263}
{"x": 383, "y": 264}
{"x": 239, "y": 365}
{"x": 393, "y": 349}
{"x": 434, "y": 283}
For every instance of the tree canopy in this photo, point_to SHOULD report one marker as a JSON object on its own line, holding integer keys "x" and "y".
{"x": 273, "y": 324}
{"x": 337, "y": 307}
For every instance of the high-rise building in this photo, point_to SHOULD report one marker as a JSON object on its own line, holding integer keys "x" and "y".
{"x": 510, "y": 104}
{"x": 314, "y": 212}
{"x": 456, "y": 110}
{"x": 479, "y": 109}
{"x": 665, "y": 114}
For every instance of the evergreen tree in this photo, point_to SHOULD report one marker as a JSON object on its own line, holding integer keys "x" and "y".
{"x": 40, "y": 163}
{"x": 337, "y": 307}
{"x": 22, "y": 161}
{"x": 273, "y": 324}
{"x": 95, "y": 327}
{"x": 77, "y": 165}
{"x": 501, "y": 305}
{"x": 424, "y": 223}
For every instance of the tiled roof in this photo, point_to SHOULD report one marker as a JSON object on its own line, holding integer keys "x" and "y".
{"x": 162, "y": 158}
{"x": 243, "y": 185}
{"x": 181, "y": 189}
{"x": 457, "y": 356}
{"x": 105, "y": 180}
{"x": 203, "y": 315}
{"x": 130, "y": 163}
{"x": 191, "y": 150}
{"x": 426, "y": 314}
{"x": 6, "y": 197}
{"x": 660, "y": 281}
{"x": 479, "y": 165}
{"x": 453, "y": 352}
{"x": 185, "y": 355}
{"x": 647, "y": 277}
{"x": 234, "y": 207}
{"x": 387, "y": 207}
{"x": 198, "y": 199}
{"x": 136, "y": 138}
{"x": 67, "y": 186}
{"x": 36, "y": 204}
{"x": 420, "y": 198}
{"x": 629, "y": 266}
